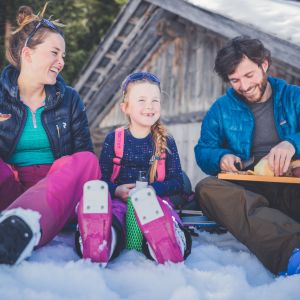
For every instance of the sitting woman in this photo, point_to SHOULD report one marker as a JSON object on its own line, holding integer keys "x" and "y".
{"x": 46, "y": 153}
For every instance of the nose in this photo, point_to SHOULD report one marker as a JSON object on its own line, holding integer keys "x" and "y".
{"x": 61, "y": 63}
{"x": 244, "y": 85}
{"x": 149, "y": 105}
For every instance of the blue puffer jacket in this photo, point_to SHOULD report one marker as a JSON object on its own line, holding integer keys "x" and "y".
{"x": 229, "y": 123}
{"x": 64, "y": 117}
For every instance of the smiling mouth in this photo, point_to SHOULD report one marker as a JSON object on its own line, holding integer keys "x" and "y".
{"x": 54, "y": 70}
{"x": 251, "y": 91}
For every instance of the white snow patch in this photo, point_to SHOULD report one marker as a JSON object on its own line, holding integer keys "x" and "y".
{"x": 218, "y": 268}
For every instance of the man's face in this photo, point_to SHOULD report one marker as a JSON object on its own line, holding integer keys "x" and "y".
{"x": 250, "y": 80}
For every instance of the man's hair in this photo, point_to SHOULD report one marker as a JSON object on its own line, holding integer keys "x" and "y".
{"x": 230, "y": 56}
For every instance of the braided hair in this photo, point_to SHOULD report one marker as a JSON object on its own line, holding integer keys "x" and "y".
{"x": 158, "y": 131}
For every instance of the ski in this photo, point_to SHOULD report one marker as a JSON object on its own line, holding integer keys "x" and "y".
{"x": 197, "y": 220}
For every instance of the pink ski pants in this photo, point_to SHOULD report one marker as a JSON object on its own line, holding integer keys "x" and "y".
{"x": 52, "y": 190}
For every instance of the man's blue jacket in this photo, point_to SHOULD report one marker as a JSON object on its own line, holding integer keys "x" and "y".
{"x": 229, "y": 124}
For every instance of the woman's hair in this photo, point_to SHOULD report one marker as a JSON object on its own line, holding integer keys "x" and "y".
{"x": 230, "y": 56}
{"x": 31, "y": 32}
{"x": 158, "y": 129}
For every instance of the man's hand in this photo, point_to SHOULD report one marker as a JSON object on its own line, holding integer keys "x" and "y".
{"x": 123, "y": 190}
{"x": 227, "y": 163}
{"x": 280, "y": 157}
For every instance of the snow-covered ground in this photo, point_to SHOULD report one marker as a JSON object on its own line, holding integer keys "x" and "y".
{"x": 218, "y": 268}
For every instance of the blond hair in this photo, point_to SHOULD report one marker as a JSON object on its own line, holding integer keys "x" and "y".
{"x": 158, "y": 130}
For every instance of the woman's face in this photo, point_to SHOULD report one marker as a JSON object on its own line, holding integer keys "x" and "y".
{"x": 46, "y": 59}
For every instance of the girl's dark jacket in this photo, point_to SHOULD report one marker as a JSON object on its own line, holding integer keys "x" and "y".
{"x": 64, "y": 117}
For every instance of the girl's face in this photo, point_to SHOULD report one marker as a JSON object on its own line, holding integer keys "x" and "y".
{"x": 46, "y": 60}
{"x": 142, "y": 104}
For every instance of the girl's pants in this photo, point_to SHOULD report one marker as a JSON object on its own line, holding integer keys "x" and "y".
{"x": 52, "y": 190}
{"x": 119, "y": 209}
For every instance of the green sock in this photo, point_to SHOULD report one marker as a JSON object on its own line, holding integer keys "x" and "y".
{"x": 134, "y": 236}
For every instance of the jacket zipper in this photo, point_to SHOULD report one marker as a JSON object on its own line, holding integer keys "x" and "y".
{"x": 58, "y": 132}
{"x": 20, "y": 131}
{"x": 55, "y": 151}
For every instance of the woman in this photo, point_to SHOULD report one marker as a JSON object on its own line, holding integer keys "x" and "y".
{"x": 46, "y": 153}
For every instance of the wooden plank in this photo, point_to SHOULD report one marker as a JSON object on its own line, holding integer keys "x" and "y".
{"x": 106, "y": 42}
{"x": 283, "y": 179}
{"x": 126, "y": 64}
{"x": 280, "y": 48}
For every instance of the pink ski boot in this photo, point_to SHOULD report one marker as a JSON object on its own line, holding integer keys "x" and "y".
{"x": 158, "y": 226}
{"x": 95, "y": 222}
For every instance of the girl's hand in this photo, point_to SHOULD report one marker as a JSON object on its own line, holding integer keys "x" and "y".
{"x": 122, "y": 191}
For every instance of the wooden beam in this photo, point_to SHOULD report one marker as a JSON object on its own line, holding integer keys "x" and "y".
{"x": 106, "y": 42}
{"x": 141, "y": 46}
{"x": 185, "y": 118}
{"x": 281, "y": 49}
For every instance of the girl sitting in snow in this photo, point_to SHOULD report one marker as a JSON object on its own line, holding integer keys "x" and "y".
{"x": 145, "y": 147}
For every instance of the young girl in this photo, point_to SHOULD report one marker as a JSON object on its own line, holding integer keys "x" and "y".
{"x": 145, "y": 147}
{"x": 45, "y": 145}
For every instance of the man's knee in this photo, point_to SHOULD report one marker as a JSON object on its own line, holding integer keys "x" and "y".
{"x": 202, "y": 189}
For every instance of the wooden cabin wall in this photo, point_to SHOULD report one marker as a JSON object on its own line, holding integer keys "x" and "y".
{"x": 185, "y": 66}
{"x": 185, "y": 63}
{"x": 186, "y": 136}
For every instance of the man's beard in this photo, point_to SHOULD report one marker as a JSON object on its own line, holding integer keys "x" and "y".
{"x": 262, "y": 86}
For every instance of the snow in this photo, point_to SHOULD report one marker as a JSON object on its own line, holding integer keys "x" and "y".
{"x": 219, "y": 268}
{"x": 277, "y": 17}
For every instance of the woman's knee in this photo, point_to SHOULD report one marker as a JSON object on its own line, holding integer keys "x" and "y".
{"x": 87, "y": 156}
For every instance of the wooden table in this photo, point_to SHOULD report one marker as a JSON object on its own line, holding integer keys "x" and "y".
{"x": 282, "y": 179}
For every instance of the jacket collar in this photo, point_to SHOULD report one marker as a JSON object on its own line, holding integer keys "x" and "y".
{"x": 9, "y": 81}
{"x": 277, "y": 86}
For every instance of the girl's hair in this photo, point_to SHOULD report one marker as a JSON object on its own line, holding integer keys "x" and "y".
{"x": 30, "y": 32}
{"x": 159, "y": 134}
{"x": 158, "y": 129}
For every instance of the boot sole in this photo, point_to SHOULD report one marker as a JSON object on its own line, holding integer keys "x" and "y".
{"x": 157, "y": 226}
{"x": 13, "y": 228}
{"x": 96, "y": 221}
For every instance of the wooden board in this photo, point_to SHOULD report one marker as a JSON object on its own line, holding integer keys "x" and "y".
{"x": 232, "y": 176}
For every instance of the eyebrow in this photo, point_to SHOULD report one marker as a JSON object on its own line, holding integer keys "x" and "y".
{"x": 233, "y": 78}
{"x": 58, "y": 49}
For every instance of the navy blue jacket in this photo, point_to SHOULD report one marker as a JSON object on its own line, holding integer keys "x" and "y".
{"x": 137, "y": 155}
{"x": 229, "y": 124}
{"x": 64, "y": 117}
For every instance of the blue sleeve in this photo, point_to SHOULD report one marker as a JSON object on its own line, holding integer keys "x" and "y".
{"x": 106, "y": 162}
{"x": 173, "y": 183}
{"x": 294, "y": 138}
{"x": 209, "y": 150}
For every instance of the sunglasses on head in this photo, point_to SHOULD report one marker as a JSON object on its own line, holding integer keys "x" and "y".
{"x": 140, "y": 76}
{"x": 43, "y": 23}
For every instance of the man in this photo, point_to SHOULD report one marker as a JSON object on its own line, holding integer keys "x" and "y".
{"x": 259, "y": 116}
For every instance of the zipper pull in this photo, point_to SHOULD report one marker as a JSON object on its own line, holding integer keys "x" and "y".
{"x": 58, "y": 132}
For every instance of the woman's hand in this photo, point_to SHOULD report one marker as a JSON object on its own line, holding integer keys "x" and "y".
{"x": 122, "y": 191}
